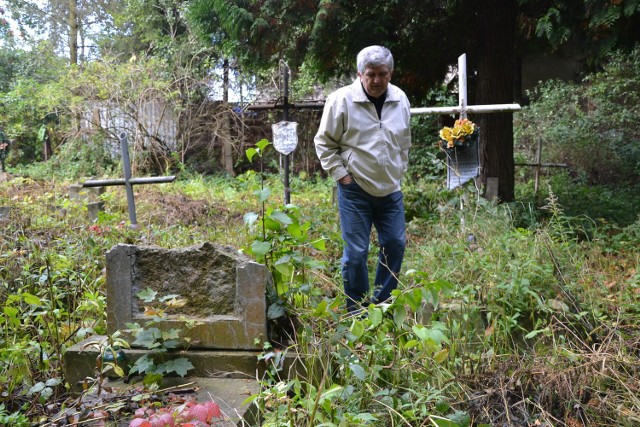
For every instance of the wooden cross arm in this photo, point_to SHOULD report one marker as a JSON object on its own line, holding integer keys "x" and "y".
{"x": 492, "y": 108}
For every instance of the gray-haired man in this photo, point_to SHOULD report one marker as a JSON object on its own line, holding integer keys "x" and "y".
{"x": 363, "y": 143}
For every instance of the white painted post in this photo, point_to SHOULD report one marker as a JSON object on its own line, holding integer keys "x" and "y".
{"x": 462, "y": 85}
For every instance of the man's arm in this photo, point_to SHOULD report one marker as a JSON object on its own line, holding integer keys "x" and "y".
{"x": 406, "y": 134}
{"x": 327, "y": 141}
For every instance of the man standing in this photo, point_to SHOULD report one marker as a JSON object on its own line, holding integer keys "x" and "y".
{"x": 363, "y": 143}
{"x": 4, "y": 149}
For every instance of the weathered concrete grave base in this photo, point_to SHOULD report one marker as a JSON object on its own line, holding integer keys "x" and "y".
{"x": 226, "y": 377}
{"x": 221, "y": 319}
{"x": 80, "y": 362}
{"x": 223, "y": 293}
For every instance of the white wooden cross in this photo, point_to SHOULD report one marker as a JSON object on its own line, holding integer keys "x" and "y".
{"x": 466, "y": 164}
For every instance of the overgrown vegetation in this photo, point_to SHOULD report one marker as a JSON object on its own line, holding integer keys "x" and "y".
{"x": 591, "y": 129}
{"x": 493, "y": 323}
{"x": 511, "y": 314}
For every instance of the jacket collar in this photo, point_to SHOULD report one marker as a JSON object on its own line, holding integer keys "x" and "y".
{"x": 360, "y": 96}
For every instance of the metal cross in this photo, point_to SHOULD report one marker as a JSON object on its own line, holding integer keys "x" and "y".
{"x": 128, "y": 182}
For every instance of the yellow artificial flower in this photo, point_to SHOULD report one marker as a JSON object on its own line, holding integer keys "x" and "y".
{"x": 461, "y": 129}
{"x": 445, "y": 134}
{"x": 464, "y": 127}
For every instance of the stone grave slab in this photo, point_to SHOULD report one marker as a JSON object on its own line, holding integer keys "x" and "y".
{"x": 89, "y": 196}
{"x": 224, "y": 293}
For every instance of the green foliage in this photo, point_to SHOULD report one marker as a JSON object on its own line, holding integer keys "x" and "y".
{"x": 34, "y": 98}
{"x": 284, "y": 243}
{"x": 424, "y": 161}
{"x": 16, "y": 419}
{"x": 422, "y": 198}
{"x": 48, "y": 302}
{"x": 590, "y": 127}
{"x": 504, "y": 303}
{"x": 160, "y": 340}
{"x": 598, "y": 27}
{"x": 313, "y": 36}
{"x": 381, "y": 368}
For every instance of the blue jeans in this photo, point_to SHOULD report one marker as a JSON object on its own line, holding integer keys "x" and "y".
{"x": 358, "y": 212}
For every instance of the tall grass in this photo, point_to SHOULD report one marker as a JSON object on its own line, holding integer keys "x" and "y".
{"x": 498, "y": 309}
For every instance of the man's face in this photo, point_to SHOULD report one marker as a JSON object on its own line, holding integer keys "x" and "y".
{"x": 375, "y": 80}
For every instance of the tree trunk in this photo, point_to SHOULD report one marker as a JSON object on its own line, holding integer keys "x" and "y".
{"x": 73, "y": 32}
{"x": 496, "y": 37}
{"x": 227, "y": 149}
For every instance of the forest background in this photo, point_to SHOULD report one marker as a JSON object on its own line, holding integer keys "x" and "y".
{"x": 545, "y": 283}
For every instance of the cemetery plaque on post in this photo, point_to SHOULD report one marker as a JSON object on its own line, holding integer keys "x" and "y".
{"x": 463, "y": 165}
{"x": 285, "y": 140}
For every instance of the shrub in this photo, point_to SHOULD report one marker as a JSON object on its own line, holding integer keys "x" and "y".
{"x": 592, "y": 126}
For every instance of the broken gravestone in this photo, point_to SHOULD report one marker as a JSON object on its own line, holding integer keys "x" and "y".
{"x": 223, "y": 293}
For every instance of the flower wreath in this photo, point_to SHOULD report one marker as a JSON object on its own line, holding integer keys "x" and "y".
{"x": 463, "y": 133}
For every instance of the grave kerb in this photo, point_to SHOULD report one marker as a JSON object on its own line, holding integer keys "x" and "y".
{"x": 243, "y": 329}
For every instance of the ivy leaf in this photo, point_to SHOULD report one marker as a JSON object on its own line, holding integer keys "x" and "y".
{"x": 171, "y": 344}
{"x": 142, "y": 365}
{"x": 180, "y": 366}
{"x": 148, "y": 295}
{"x": 171, "y": 334}
{"x": 148, "y": 338}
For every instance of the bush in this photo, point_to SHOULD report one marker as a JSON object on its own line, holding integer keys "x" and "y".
{"x": 592, "y": 127}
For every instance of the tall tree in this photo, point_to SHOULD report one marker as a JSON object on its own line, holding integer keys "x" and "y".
{"x": 495, "y": 62}
{"x": 70, "y": 25}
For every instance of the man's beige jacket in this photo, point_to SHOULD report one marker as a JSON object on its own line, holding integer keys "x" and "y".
{"x": 352, "y": 139}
